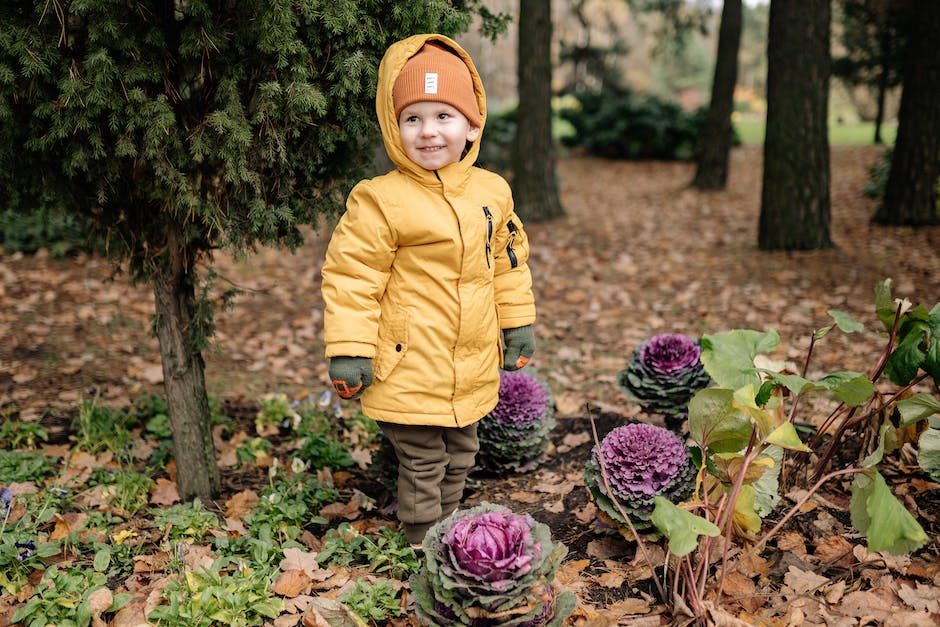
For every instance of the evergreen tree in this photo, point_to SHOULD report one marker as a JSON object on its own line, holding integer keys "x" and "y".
{"x": 180, "y": 127}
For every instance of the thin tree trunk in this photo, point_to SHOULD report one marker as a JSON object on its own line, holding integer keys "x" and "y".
{"x": 715, "y": 142}
{"x": 882, "y": 83}
{"x": 184, "y": 376}
{"x": 911, "y": 191}
{"x": 795, "y": 194}
{"x": 535, "y": 188}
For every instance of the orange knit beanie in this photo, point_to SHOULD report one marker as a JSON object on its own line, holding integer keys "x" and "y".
{"x": 436, "y": 75}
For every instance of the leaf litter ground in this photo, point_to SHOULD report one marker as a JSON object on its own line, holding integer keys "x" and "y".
{"x": 639, "y": 253}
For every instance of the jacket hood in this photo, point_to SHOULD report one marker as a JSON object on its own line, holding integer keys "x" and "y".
{"x": 392, "y": 63}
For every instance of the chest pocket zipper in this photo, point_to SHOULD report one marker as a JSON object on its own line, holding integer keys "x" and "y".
{"x": 489, "y": 233}
{"x": 513, "y": 260}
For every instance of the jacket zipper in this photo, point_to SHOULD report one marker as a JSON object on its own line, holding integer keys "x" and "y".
{"x": 489, "y": 233}
{"x": 513, "y": 260}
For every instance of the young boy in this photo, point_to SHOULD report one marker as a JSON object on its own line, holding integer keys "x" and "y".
{"x": 424, "y": 270}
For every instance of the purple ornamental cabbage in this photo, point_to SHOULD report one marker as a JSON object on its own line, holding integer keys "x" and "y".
{"x": 515, "y": 434}
{"x": 488, "y": 566}
{"x": 642, "y": 461}
{"x": 663, "y": 374}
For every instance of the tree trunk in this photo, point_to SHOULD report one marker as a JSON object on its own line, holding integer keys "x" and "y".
{"x": 535, "y": 188}
{"x": 715, "y": 142}
{"x": 184, "y": 376}
{"x": 795, "y": 194}
{"x": 911, "y": 191}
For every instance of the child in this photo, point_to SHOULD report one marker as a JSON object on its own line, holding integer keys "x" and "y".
{"x": 424, "y": 269}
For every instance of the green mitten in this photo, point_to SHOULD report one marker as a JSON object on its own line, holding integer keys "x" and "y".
{"x": 350, "y": 375}
{"x": 520, "y": 344}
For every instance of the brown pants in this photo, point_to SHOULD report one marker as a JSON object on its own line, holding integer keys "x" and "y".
{"x": 433, "y": 464}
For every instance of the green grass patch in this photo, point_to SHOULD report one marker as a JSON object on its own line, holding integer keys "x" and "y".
{"x": 751, "y": 131}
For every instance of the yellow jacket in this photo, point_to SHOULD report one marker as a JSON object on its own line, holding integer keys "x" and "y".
{"x": 422, "y": 271}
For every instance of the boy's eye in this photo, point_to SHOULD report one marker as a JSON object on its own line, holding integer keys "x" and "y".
{"x": 443, "y": 116}
{"x": 411, "y": 118}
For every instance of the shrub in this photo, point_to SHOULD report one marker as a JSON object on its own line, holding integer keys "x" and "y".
{"x": 618, "y": 124}
{"x": 489, "y": 566}
{"x": 515, "y": 433}
{"x": 642, "y": 462}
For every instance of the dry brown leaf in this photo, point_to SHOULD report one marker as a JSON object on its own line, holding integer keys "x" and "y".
{"x": 335, "y": 511}
{"x": 522, "y": 496}
{"x": 241, "y": 504}
{"x": 99, "y": 600}
{"x": 610, "y": 580}
{"x": 67, "y": 523}
{"x": 743, "y": 590}
{"x": 131, "y": 615}
{"x": 292, "y": 582}
{"x": 834, "y": 550}
{"x": 164, "y": 493}
{"x": 803, "y": 582}
{"x": 153, "y": 563}
{"x": 792, "y": 542}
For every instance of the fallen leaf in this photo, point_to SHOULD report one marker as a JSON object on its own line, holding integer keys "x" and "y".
{"x": 292, "y": 582}
{"x": 241, "y": 504}
{"x": 164, "y": 493}
{"x": 802, "y": 582}
{"x": 525, "y": 497}
{"x": 835, "y": 551}
{"x": 743, "y": 590}
{"x": 99, "y": 600}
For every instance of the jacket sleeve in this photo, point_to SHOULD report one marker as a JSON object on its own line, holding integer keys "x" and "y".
{"x": 512, "y": 280}
{"x": 355, "y": 273}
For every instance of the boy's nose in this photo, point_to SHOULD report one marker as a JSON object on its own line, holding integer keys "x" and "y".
{"x": 428, "y": 130}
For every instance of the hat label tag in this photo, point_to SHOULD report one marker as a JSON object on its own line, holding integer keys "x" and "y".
{"x": 430, "y": 82}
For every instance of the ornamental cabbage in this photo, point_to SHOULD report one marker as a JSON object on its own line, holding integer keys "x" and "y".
{"x": 642, "y": 461}
{"x": 489, "y": 566}
{"x": 515, "y": 434}
{"x": 663, "y": 374}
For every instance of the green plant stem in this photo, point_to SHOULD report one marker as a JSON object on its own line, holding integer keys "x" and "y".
{"x": 639, "y": 542}
{"x": 809, "y": 355}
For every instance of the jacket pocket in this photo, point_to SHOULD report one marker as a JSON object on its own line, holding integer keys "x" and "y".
{"x": 393, "y": 344}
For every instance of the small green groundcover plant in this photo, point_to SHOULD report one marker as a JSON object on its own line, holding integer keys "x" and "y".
{"x": 489, "y": 566}
{"x": 515, "y": 434}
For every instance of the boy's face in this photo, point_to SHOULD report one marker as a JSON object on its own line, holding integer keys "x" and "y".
{"x": 434, "y": 134}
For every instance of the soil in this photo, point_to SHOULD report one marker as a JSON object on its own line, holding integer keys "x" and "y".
{"x": 639, "y": 253}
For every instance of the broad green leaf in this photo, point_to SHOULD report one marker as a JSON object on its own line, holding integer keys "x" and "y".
{"x": 852, "y": 388}
{"x": 890, "y": 527}
{"x": 716, "y": 423}
{"x": 766, "y": 421}
{"x": 681, "y": 527}
{"x": 928, "y": 453}
{"x": 908, "y": 355}
{"x": 845, "y": 322}
{"x": 745, "y": 510}
{"x": 767, "y": 488}
{"x": 878, "y": 454}
{"x": 102, "y": 559}
{"x": 785, "y": 436}
{"x": 795, "y": 383}
{"x": 884, "y": 304}
{"x": 729, "y": 357}
{"x": 921, "y": 405}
